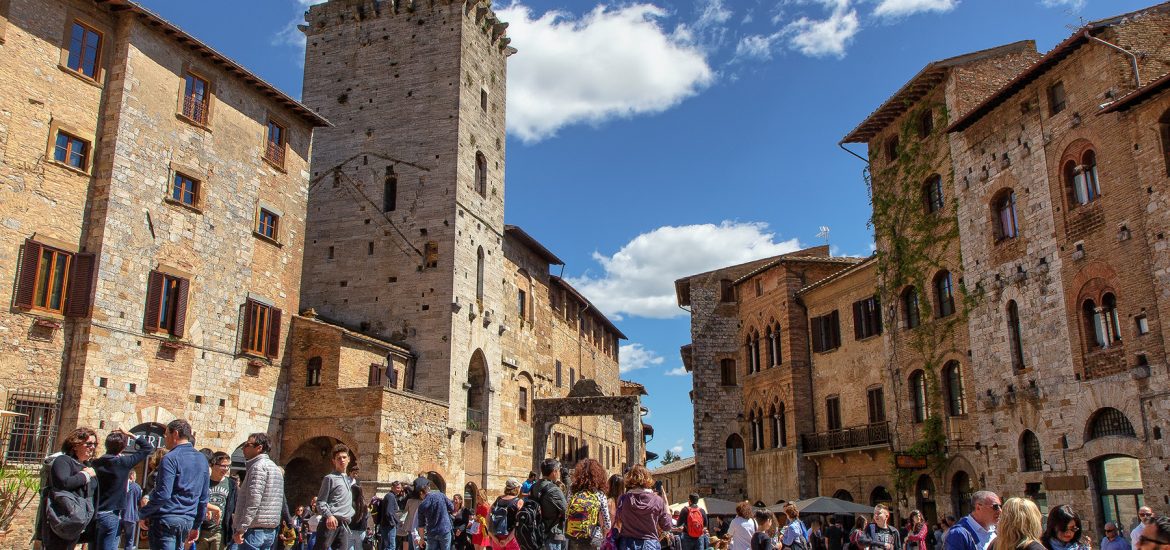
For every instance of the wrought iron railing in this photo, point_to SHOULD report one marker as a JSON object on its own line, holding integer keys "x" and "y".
{"x": 195, "y": 109}
{"x": 30, "y": 435}
{"x": 275, "y": 153}
{"x": 853, "y": 437}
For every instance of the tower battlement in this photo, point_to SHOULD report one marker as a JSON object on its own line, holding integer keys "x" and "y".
{"x": 320, "y": 17}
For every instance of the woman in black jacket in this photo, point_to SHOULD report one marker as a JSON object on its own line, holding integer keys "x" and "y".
{"x": 70, "y": 472}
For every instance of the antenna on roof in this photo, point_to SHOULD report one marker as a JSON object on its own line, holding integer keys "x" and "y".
{"x": 824, "y": 234}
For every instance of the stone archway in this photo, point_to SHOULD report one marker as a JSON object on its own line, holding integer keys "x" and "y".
{"x": 306, "y": 467}
{"x": 586, "y": 399}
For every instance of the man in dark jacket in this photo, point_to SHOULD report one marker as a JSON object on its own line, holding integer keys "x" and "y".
{"x": 552, "y": 504}
{"x": 360, "y": 522}
{"x": 388, "y": 520}
{"x": 689, "y": 540}
{"x": 178, "y": 501}
{"x": 113, "y": 471}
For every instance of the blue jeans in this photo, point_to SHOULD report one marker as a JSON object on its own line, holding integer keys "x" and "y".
{"x": 441, "y": 541}
{"x": 692, "y": 543}
{"x": 169, "y": 532}
{"x": 130, "y": 529}
{"x": 627, "y": 543}
{"x": 258, "y": 539}
{"x": 389, "y": 539}
{"x": 555, "y": 545}
{"x": 108, "y": 527}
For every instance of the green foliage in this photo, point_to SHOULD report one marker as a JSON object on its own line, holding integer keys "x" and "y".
{"x": 669, "y": 456}
{"x": 18, "y": 488}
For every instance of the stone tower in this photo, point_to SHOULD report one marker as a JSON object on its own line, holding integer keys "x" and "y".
{"x": 406, "y": 218}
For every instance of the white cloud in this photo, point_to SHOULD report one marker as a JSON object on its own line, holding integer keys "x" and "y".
{"x": 900, "y": 8}
{"x": 623, "y": 63}
{"x": 757, "y": 46}
{"x": 824, "y": 37}
{"x": 1074, "y": 4}
{"x": 635, "y": 357}
{"x": 677, "y": 371}
{"x": 712, "y": 12}
{"x": 677, "y": 449}
{"x": 639, "y": 278}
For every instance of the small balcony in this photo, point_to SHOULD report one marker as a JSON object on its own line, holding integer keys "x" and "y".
{"x": 195, "y": 110}
{"x": 855, "y": 438}
{"x": 475, "y": 420}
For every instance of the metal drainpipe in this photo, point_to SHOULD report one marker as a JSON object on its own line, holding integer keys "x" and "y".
{"x": 841, "y": 144}
{"x": 1137, "y": 75}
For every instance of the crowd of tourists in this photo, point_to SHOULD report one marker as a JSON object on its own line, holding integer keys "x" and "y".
{"x": 189, "y": 501}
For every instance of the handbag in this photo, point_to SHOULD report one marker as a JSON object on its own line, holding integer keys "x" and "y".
{"x": 68, "y": 513}
{"x": 596, "y": 534}
{"x": 473, "y": 527}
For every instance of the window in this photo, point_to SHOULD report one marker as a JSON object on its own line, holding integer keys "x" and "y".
{"x": 559, "y": 374}
{"x": 1057, "y": 101}
{"x": 572, "y": 377}
{"x": 770, "y": 345}
{"x": 775, "y": 427}
{"x": 925, "y": 123}
{"x": 833, "y": 412}
{"x": 184, "y": 189}
{"x": 1164, "y": 133}
{"x": 267, "y": 224}
{"x": 867, "y": 318}
{"x": 1102, "y": 324}
{"x": 261, "y": 329}
{"x": 759, "y": 287}
{"x": 34, "y": 431}
{"x": 734, "y": 452}
{"x": 196, "y": 96}
{"x": 826, "y": 332}
{"x": 85, "y": 47}
{"x": 274, "y": 145}
{"x": 754, "y": 423}
{"x": 375, "y": 376}
{"x": 953, "y": 376}
{"x": 918, "y": 396}
{"x": 1081, "y": 179}
{"x": 431, "y": 251}
{"x": 1031, "y": 459}
{"x": 166, "y": 304}
{"x": 1005, "y": 216}
{"x": 51, "y": 279}
{"x": 1143, "y": 324}
{"x": 313, "y": 372}
{"x": 753, "y": 352}
{"x": 522, "y": 304}
{"x": 71, "y": 150}
{"x": 877, "y": 405}
{"x": 944, "y": 294}
{"x": 480, "y": 174}
{"x": 932, "y": 193}
{"x": 483, "y": 100}
{"x": 726, "y": 291}
{"x": 479, "y": 268}
{"x": 1110, "y": 422}
{"x": 523, "y": 404}
{"x": 1015, "y": 335}
{"x": 910, "y": 311}
{"x": 390, "y": 190}
{"x": 727, "y": 372}
{"x": 782, "y": 425}
{"x": 892, "y": 149}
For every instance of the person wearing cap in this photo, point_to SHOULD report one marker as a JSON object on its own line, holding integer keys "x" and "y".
{"x": 512, "y": 503}
{"x": 434, "y": 516}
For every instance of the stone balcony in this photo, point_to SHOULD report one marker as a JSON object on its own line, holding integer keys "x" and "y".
{"x": 854, "y": 438}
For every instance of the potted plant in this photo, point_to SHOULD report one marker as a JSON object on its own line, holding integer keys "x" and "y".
{"x": 47, "y": 323}
{"x": 173, "y": 343}
{"x": 18, "y": 488}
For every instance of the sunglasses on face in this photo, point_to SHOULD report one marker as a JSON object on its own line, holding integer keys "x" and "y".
{"x": 250, "y": 444}
{"x": 997, "y": 506}
{"x": 1111, "y": 530}
{"x": 1069, "y": 529}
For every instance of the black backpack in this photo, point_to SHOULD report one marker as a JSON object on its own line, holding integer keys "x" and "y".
{"x": 529, "y": 523}
{"x": 499, "y": 518}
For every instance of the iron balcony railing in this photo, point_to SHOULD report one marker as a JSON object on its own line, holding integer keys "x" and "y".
{"x": 475, "y": 420}
{"x": 274, "y": 152}
{"x": 854, "y": 437}
{"x": 195, "y": 109}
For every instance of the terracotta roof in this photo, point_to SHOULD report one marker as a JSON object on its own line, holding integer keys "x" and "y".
{"x": 1134, "y": 98}
{"x": 840, "y": 260}
{"x": 867, "y": 262}
{"x": 674, "y": 466}
{"x": 922, "y": 83}
{"x": 313, "y": 317}
{"x": 1042, "y": 65}
{"x": 600, "y": 315}
{"x": 180, "y": 36}
{"x": 520, "y": 235}
{"x": 626, "y": 384}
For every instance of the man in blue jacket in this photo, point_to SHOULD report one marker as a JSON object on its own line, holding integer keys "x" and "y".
{"x": 179, "y": 499}
{"x": 113, "y": 471}
{"x": 976, "y": 531}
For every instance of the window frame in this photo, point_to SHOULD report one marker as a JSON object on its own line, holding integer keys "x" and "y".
{"x": 875, "y": 399}
{"x": 826, "y": 331}
{"x": 911, "y": 313}
{"x": 209, "y": 94}
{"x": 833, "y": 413}
{"x": 945, "y": 304}
{"x": 167, "y": 295}
{"x": 480, "y": 174}
{"x": 1003, "y": 210}
{"x": 955, "y": 390}
{"x": 76, "y": 20}
{"x": 734, "y": 453}
{"x": 261, "y": 333}
{"x": 867, "y": 318}
{"x": 1016, "y": 336}
{"x": 313, "y": 372}
{"x": 933, "y": 195}
{"x": 260, "y": 225}
{"x": 1057, "y": 98}
{"x": 926, "y": 123}
{"x": 919, "y": 406}
{"x": 522, "y": 406}
{"x": 728, "y": 372}
{"x": 1031, "y": 453}
{"x": 275, "y": 153}
{"x": 196, "y": 190}
{"x": 44, "y": 295}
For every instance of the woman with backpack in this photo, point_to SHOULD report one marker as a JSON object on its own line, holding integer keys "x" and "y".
{"x": 501, "y": 526}
{"x": 880, "y": 535}
{"x": 795, "y": 533}
{"x": 587, "y": 519}
{"x": 71, "y": 484}
{"x": 641, "y": 514}
{"x": 854, "y": 543}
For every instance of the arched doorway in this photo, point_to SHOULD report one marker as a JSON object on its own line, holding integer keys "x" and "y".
{"x": 961, "y": 493}
{"x": 924, "y": 498}
{"x": 475, "y": 443}
{"x": 304, "y": 471}
{"x": 880, "y": 495}
{"x": 1118, "y": 481}
{"x": 842, "y": 494}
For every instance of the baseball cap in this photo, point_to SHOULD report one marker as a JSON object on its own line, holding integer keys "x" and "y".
{"x": 511, "y": 483}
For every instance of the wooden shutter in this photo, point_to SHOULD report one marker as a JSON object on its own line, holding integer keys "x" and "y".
{"x": 82, "y": 277}
{"x": 249, "y": 335}
{"x": 26, "y": 287}
{"x": 273, "y": 332}
{"x": 858, "y": 320}
{"x": 877, "y": 313}
{"x": 154, "y": 289}
{"x": 181, "y": 309}
{"x": 818, "y": 324}
{"x": 835, "y": 330}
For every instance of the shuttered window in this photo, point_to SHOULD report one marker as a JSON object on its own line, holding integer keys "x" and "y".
{"x": 166, "y": 304}
{"x": 826, "y": 332}
{"x": 867, "y": 318}
{"x": 261, "y": 329}
{"x": 54, "y": 280}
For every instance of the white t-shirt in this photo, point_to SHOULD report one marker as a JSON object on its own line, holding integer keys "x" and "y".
{"x": 313, "y": 521}
{"x": 742, "y": 530}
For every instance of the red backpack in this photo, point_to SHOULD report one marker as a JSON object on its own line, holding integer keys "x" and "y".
{"x": 695, "y": 525}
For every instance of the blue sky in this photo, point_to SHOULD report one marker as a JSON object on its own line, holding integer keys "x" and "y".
{"x": 649, "y": 140}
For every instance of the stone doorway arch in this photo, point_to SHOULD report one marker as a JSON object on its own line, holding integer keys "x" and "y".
{"x": 587, "y": 399}
{"x": 306, "y": 468}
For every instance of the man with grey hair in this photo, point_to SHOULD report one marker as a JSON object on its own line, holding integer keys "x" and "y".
{"x": 1155, "y": 534}
{"x": 1145, "y": 516}
{"x": 977, "y": 530}
{"x": 1112, "y": 540}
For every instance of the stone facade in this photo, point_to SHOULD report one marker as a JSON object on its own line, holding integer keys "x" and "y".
{"x": 678, "y": 479}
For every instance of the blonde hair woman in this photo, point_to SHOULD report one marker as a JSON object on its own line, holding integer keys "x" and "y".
{"x": 1019, "y": 526}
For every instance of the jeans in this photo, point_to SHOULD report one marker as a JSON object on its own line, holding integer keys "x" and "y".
{"x": 258, "y": 539}
{"x": 691, "y": 543}
{"x": 356, "y": 538}
{"x": 169, "y": 532}
{"x": 108, "y": 526}
{"x": 389, "y": 538}
{"x": 130, "y": 529}
{"x": 439, "y": 541}
{"x": 555, "y": 545}
{"x": 628, "y": 543}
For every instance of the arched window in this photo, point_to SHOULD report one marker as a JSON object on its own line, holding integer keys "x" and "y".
{"x": 910, "y": 307}
{"x": 932, "y": 194}
{"x": 956, "y": 402}
{"x": 390, "y": 190}
{"x": 776, "y": 346}
{"x": 1164, "y": 132}
{"x": 918, "y": 395}
{"x": 1081, "y": 179}
{"x": 1030, "y": 457}
{"x": 775, "y": 420}
{"x": 782, "y": 426}
{"x": 944, "y": 294}
{"x": 734, "y": 452}
{"x": 313, "y": 372}
{"x": 1004, "y": 210}
{"x": 727, "y": 372}
{"x": 759, "y": 429}
{"x": 1015, "y": 335}
{"x": 769, "y": 345}
{"x": 752, "y": 345}
{"x": 479, "y": 266}
{"x": 1109, "y": 311}
{"x": 1109, "y": 421}
{"x": 480, "y": 174}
